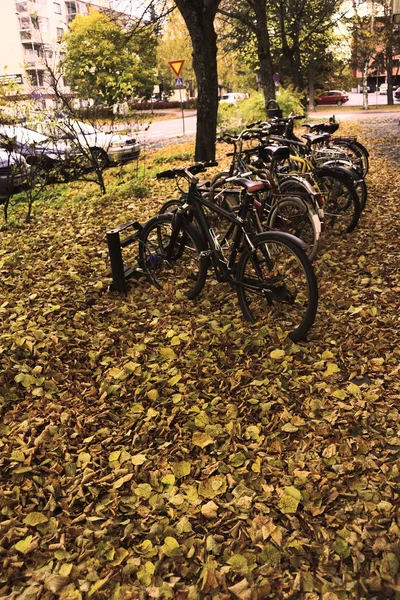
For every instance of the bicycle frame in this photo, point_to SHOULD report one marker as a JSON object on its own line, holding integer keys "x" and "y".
{"x": 195, "y": 201}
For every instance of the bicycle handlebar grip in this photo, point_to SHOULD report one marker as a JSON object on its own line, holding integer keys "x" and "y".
{"x": 253, "y": 124}
{"x": 170, "y": 174}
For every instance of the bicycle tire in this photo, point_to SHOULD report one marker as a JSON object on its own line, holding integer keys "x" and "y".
{"x": 342, "y": 206}
{"x": 358, "y": 153}
{"x": 170, "y": 206}
{"x": 173, "y": 259}
{"x": 276, "y": 285}
{"x": 359, "y": 182}
{"x": 295, "y": 216}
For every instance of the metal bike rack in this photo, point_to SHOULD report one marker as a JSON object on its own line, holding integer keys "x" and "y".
{"x": 119, "y": 271}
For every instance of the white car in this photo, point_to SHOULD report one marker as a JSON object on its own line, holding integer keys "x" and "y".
{"x": 383, "y": 88}
{"x": 232, "y": 97}
{"x": 105, "y": 148}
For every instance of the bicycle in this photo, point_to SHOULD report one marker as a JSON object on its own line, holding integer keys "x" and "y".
{"x": 273, "y": 278}
{"x": 289, "y": 203}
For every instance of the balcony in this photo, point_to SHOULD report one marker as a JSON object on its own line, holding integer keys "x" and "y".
{"x": 34, "y": 36}
{"x": 30, "y": 7}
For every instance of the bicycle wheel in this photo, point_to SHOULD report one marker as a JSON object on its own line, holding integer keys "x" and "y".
{"x": 171, "y": 257}
{"x": 356, "y": 152}
{"x": 170, "y": 206}
{"x": 276, "y": 286}
{"x": 294, "y": 216}
{"x": 342, "y": 206}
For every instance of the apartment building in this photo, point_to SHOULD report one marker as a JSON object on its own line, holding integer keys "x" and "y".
{"x": 30, "y": 34}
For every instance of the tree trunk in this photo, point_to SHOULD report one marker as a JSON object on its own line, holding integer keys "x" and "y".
{"x": 264, "y": 51}
{"x": 199, "y": 18}
{"x": 311, "y": 89}
{"x": 365, "y": 89}
{"x": 389, "y": 72}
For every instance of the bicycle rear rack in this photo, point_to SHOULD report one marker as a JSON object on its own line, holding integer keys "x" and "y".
{"x": 119, "y": 271}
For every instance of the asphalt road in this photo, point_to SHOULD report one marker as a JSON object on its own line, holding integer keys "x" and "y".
{"x": 177, "y": 127}
{"x": 161, "y": 132}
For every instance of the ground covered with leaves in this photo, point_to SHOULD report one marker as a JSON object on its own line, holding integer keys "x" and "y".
{"x": 155, "y": 447}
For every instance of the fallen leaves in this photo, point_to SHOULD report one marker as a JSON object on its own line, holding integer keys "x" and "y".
{"x": 154, "y": 446}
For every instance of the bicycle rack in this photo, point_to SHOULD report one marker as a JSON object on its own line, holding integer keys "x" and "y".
{"x": 121, "y": 273}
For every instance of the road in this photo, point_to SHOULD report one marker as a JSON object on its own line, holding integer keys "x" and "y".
{"x": 170, "y": 128}
{"x": 166, "y": 130}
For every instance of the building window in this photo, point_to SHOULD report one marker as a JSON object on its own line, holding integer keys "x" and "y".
{"x": 60, "y": 32}
{"x": 57, "y": 8}
{"x": 43, "y": 24}
{"x": 71, "y": 11}
{"x": 36, "y": 77}
{"x": 21, "y": 7}
{"x": 24, "y": 23}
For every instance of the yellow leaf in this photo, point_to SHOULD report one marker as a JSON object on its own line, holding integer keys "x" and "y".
{"x": 23, "y": 545}
{"x": 171, "y": 547}
{"x": 293, "y": 491}
{"x": 289, "y": 428}
{"x": 174, "y": 380}
{"x": 167, "y": 354}
{"x": 277, "y": 353}
{"x": 117, "y": 484}
{"x": 181, "y": 469}
{"x": 168, "y": 479}
{"x": 83, "y": 459}
{"x": 35, "y": 518}
{"x": 114, "y": 456}
{"x": 288, "y": 504}
{"x": 175, "y": 341}
{"x": 65, "y": 569}
{"x": 213, "y": 486}
{"x": 201, "y": 439}
{"x": 138, "y": 459}
{"x": 153, "y": 395}
{"x": 331, "y": 368}
{"x": 17, "y": 455}
{"x": 98, "y": 585}
{"x": 210, "y": 510}
{"x": 340, "y": 394}
{"x": 354, "y": 390}
{"x": 146, "y": 572}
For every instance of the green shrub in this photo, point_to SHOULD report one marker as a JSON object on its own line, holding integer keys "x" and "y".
{"x": 228, "y": 117}
{"x": 253, "y": 108}
{"x": 290, "y": 101}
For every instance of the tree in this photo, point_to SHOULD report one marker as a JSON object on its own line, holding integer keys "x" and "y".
{"x": 199, "y": 16}
{"x": 300, "y": 25}
{"x": 105, "y": 63}
{"x": 365, "y": 42}
{"x": 252, "y": 16}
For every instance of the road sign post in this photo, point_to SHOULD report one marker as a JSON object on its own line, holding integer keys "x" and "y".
{"x": 176, "y": 66}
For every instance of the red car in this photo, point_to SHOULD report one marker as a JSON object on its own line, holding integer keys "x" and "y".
{"x": 332, "y": 97}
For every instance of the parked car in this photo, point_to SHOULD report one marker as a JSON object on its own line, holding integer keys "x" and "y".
{"x": 397, "y": 93}
{"x": 36, "y": 148}
{"x": 232, "y": 97}
{"x": 13, "y": 172}
{"x": 105, "y": 147}
{"x": 332, "y": 97}
{"x": 383, "y": 88}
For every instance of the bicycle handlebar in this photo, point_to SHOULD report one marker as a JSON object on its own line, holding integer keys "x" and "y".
{"x": 188, "y": 172}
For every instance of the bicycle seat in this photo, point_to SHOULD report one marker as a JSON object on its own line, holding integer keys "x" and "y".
{"x": 277, "y": 152}
{"x": 315, "y": 138}
{"x": 322, "y": 127}
{"x": 251, "y": 186}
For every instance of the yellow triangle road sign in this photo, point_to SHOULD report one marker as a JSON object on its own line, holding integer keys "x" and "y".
{"x": 176, "y": 66}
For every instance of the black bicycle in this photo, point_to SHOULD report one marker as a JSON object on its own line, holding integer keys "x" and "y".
{"x": 274, "y": 280}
